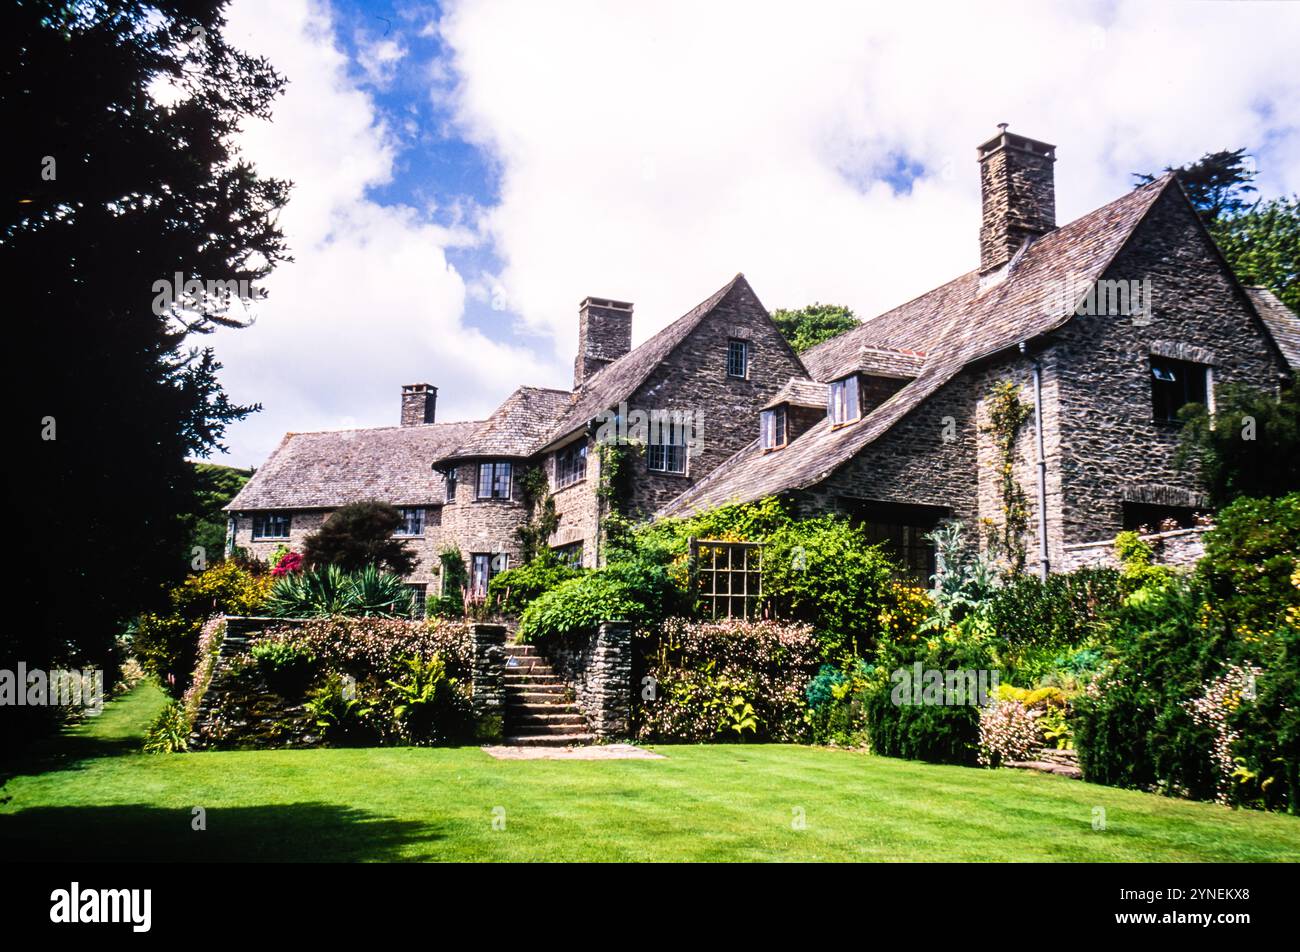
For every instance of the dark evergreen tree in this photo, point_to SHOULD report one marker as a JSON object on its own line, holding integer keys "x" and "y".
{"x": 109, "y": 192}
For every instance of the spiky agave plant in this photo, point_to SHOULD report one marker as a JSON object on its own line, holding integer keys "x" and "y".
{"x": 315, "y": 593}
{"x": 371, "y": 592}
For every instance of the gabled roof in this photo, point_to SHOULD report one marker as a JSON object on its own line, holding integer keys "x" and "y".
{"x": 328, "y": 469}
{"x": 1282, "y": 323}
{"x": 800, "y": 392}
{"x": 517, "y": 428}
{"x": 622, "y": 378}
{"x": 955, "y": 325}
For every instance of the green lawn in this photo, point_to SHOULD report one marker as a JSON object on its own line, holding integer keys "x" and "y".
{"x": 94, "y": 796}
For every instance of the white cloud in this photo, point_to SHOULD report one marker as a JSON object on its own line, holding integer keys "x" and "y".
{"x": 648, "y": 152}
{"x": 370, "y": 302}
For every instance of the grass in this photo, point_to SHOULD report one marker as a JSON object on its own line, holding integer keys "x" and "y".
{"x": 93, "y": 797}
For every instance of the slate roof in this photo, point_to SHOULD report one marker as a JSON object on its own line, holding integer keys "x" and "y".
{"x": 1282, "y": 323}
{"x": 800, "y": 392}
{"x": 954, "y": 325}
{"x": 619, "y": 380}
{"x": 518, "y": 428}
{"x": 328, "y": 469}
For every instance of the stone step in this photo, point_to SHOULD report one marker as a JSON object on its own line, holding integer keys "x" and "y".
{"x": 548, "y": 719}
{"x": 523, "y": 680}
{"x": 539, "y": 703}
{"x": 518, "y": 726}
{"x": 549, "y": 740}
{"x": 533, "y": 687}
{"x": 528, "y": 666}
{"x": 521, "y": 651}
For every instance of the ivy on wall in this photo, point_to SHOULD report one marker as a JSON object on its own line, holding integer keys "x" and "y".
{"x": 1007, "y": 415}
{"x": 535, "y": 534}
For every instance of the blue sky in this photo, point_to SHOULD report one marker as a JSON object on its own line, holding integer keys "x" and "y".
{"x": 465, "y": 173}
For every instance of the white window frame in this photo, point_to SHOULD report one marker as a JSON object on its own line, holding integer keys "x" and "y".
{"x": 661, "y": 457}
{"x": 843, "y": 401}
{"x": 742, "y": 346}
{"x": 768, "y": 428}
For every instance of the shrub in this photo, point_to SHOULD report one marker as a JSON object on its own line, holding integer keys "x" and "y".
{"x": 166, "y": 645}
{"x": 1133, "y": 726}
{"x": 427, "y": 705}
{"x": 947, "y": 733}
{"x": 729, "y": 679}
{"x": 836, "y": 704}
{"x": 1040, "y": 622}
{"x": 515, "y": 589}
{"x": 358, "y": 535}
{"x": 1008, "y": 731}
{"x": 362, "y": 646}
{"x": 344, "y": 710}
{"x": 577, "y": 605}
{"x": 824, "y": 573}
{"x": 322, "y": 592}
{"x": 287, "y": 564}
{"x": 455, "y": 583}
{"x": 170, "y": 732}
{"x": 1267, "y": 464}
{"x": 286, "y": 665}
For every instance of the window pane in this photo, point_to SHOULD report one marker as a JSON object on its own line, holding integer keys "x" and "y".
{"x": 484, "y": 480}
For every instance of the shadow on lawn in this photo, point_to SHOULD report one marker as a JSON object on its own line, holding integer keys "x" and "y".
{"x": 301, "y": 832}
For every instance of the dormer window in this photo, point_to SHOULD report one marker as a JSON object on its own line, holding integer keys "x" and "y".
{"x": 737, "y": 358}
{"x": 771, "y": 425}
{"x": 842, "y": 401}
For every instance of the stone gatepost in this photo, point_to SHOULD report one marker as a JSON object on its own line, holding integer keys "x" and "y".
{"x": 488, "y": 688}
{"x": 609, "y": 681}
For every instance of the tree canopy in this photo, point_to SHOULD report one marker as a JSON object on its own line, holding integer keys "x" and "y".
{"x": 357, "y": 535}
{"x": 1260, "y": 239}
{"x": 116, "y": 194}
{"x": 808, "y": 326}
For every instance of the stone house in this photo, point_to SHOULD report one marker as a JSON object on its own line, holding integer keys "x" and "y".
{"x": 1096, "y": 332}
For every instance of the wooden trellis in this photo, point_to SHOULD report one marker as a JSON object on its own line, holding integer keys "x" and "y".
{"x": 728, "y": 577}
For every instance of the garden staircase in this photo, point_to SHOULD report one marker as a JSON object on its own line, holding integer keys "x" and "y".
{"x": 539, "y": 708}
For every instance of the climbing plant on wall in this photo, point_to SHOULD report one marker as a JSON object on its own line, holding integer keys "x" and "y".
{"x": 1007, "y": 414}
{"x": 542, "y": 517}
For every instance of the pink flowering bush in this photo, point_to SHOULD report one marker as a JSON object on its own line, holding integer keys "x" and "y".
{"x": 1224, "y": 696}
{"x": 730, "y": 678}
{"x": 1008, "y": 731}
{"x": 287, "y": 564}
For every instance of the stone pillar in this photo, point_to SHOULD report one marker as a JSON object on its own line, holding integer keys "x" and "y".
{"x": 609, "y": 683}
{"x": 489, "y": 687}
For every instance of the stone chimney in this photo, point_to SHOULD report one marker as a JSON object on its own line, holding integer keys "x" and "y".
{"x": 1019, "y": 195}
{"x": 418, "y": 403}
{"x": 604, "y": 335}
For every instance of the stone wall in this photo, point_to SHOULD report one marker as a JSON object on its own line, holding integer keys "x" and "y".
{"x": 483, "y": 525}
{"x": 305, "y": 522}
{"x": 1180, "y": 548}
{"x": 694, "y": 378}
{"x": 488, "y": 679}
{"x": 598, "y": 665}
{"x": 578, "y": 507}
{"x": 1110, "y": 447}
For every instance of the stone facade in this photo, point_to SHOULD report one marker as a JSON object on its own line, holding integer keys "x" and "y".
{"x": 1019, "y": 196}
{"x": 1180, "y": 547}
